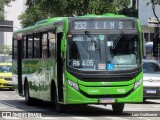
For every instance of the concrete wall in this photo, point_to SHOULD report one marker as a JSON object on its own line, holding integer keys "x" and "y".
{"x": 144, "y": 13}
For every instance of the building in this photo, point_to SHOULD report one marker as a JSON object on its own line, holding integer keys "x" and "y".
{"x": 11, "y": 13}
{"x": 147, "y": 17}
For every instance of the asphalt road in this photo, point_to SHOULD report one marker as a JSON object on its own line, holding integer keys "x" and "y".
{"x": 12, "y": 106}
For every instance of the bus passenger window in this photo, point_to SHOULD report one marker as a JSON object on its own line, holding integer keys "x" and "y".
{"x": 37, "y": 45}
{"x": 24, "y": 46}
{"x": 51, "y": 38}
{"x": 44, "y": 46}
{"x": 30, "y": 46}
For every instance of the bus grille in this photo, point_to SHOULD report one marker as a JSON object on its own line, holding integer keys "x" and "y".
{"x": 109, "y": 79}
{"x": 107, "y": 96}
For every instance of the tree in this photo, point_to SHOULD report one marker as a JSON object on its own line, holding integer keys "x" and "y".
{"x": 154, "y": 3}
{"x": 2, "y": 4}
{"x": 42, "y": 9}
{"x": 132, "y": 11}
{"x": 5, "y": 49}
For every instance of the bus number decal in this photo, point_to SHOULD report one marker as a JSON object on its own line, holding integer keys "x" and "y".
{"x": 76, "y": 63}
{"x": 80, "y": 25}
{"x": 87, "y": 63}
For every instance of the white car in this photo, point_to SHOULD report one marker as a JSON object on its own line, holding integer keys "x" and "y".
{"x": 151, "y": 79}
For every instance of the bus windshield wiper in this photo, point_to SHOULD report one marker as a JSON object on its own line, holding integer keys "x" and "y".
{"x": 117, "y": 40}
{"x": 92, "y": 40}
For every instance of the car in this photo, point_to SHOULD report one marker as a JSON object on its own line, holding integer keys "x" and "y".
{"x": 151, "y": 79}
{"x": 6, "y": 75}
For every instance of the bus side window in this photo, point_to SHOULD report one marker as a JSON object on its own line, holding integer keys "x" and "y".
{"x": 52, "y": 44}
{"x": 24, "y": 46}
{"x": 44, "y": 45}
{"x": 30, "y": 46}
{"x": 36, "y": 45}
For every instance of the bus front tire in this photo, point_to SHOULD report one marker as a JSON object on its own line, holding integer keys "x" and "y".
{"x": 118, "y": 107}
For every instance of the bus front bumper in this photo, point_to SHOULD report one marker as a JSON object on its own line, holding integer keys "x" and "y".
{"x": 75, "y": 97}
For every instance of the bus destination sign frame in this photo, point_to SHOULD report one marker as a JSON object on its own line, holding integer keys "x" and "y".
{"x": 103, "y": 24}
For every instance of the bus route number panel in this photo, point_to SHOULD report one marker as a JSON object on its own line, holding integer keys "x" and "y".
{"x": 103, "y": 24}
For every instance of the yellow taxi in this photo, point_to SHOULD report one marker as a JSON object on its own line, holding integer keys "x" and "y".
{"x": 6, "y": 75}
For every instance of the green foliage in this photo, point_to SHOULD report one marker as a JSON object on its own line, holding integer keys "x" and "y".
{"x": 42, "y": 9}
{"x": 5, "y": 49}
{"x": 34, "y": 14}
{"x": 2, "y": 4}
{"x": 1, "y": 16}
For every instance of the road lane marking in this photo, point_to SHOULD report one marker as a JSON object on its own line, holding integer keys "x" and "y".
{"x": 11, "y": 118}
{"x": 82, "y": 118}
{"x": 116, "y": 118}
{"x": 144, "y": 118}
{"x": 48, "y": 118}
{"x": 155, "y": 106}
{"x": 3, "y": 107}
{"x": 5, "y": 96}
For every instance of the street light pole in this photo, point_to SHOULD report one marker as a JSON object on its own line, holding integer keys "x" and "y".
{"x": 5, "y": 32}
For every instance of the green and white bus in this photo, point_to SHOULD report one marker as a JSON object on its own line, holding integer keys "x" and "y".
{"x": 90, "y": 59}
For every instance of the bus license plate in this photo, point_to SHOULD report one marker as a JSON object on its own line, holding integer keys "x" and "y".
{"x": 151, "y": 91}
{"x": 107, "y": 100}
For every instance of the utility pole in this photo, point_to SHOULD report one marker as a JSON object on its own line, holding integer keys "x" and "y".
{"x": 5, "y": 32}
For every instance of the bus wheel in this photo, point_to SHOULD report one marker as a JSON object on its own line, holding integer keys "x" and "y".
{"x": 28, "y": 99}
{"x": 118, "y": 107}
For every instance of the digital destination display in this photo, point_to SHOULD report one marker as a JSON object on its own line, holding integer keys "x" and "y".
{"x": 103, "y": 24}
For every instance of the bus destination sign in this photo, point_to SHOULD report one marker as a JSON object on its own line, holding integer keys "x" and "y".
{"x": 103, "y": 24}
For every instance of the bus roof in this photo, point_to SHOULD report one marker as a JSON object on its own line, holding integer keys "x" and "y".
{"x": 47, "y": 22}
{"x": 41, "y": 24}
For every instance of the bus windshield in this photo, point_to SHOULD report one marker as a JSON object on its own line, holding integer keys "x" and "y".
{"x": 116, "y": 52}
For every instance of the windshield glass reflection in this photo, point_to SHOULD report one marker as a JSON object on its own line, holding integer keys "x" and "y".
{"x": 151, "y": 67}
{"x": 104, "y": 52}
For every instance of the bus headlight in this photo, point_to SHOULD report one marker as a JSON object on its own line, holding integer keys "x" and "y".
{"x": 73, "y": 84}
{"x": 138, "y": 83}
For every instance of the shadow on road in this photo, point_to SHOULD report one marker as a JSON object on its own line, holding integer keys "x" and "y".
{"x": 6, "y": 89}
{"x": 47, "y": 109}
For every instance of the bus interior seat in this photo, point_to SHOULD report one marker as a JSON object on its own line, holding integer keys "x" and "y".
{"x": 124, "y": 59}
